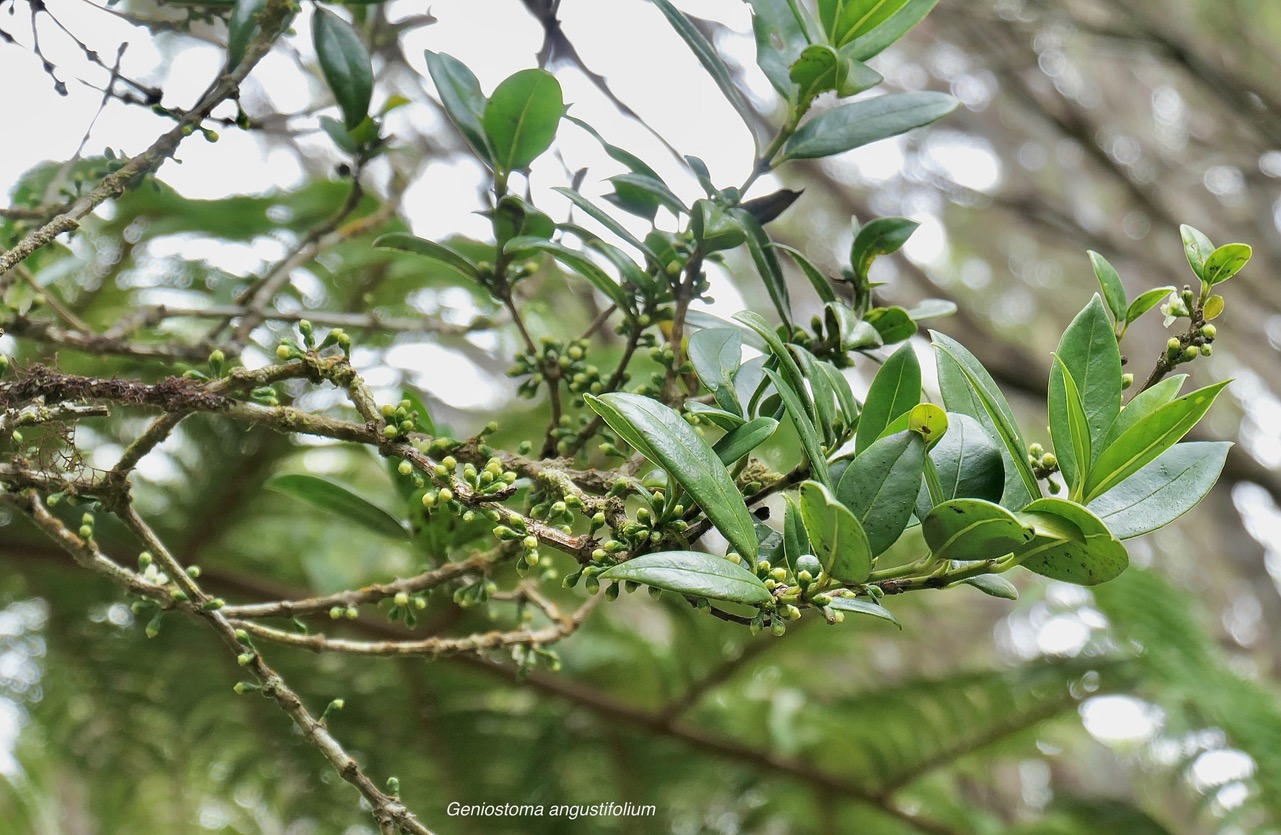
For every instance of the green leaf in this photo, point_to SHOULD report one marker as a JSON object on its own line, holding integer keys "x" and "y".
{"x": 723, "y": 418}
{"x": 780, "y": 38}
{"x": 766, "y": 260}
{"x": 462, "y": 99}
{"x": 805, "y": 428}
{"x": 932, "y": 309}
{"x": 821, "y": 283}
{"x": 973, "y": 529}
{"x": 1071, "y": 544}
{"x": 858, "y": 17}
{"x": 968, "y": 388}
{"x": 1225, "y": 262}
{"x": 743, "y": 439}
{"x": 882, "y": 236}
{"x": 345, "y": 63}
{"x": 430, "y": 249}
{"x": 875, "y": 41}
{"x": 1148, "y": 438}
{"x": 880, "y": 486}
{"x": 838, "y": 538}
{"x": 706, "y": 55}
{"x": 779, "y": 351}
{"x": 652, "y": 186}
{"x": 338, "y": 132}
{"x": 1088, "y": 352}
{"x": 820, "y": 69}
{"x": 1197, "y": 247}
{"x": 1163, "y": 490}
{"x": 967, "y": 462}
{"x": 859, "y": 606}
{"x": 1145, "y": 302}
{"x": 716, "y": 353}
{"x": 892, "y": 323}
{"x": 895, "y": 389}
{"x": 521, "y": 118}
{"x": 1071, "y": 430}
{"x": 841, "y": 389}
{"x": 339, "y": 501}
{"x": 714, "y": 230}
{"x": 1110, "y": 283}
{"x": 242, "y": 25}
{"x": 928, "y": 421}
{"x": 993, "y": 585}
{"x": 859, "y": 123}
{"x": 576, "y": 261}
{"x": 662, "y": 436}
{"x": 416, "y": 404}
{"x": 695, "y": 574}
{"x": 1143, "y": 404}
{"x": 603, "y": 218}
{"x": 855, "y": 334}
{"x": 795, "y": 541}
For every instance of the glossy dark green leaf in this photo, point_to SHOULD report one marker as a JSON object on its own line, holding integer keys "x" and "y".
{"x": 703, "y": 319}
{"x": 345, "y": 63}
{"x": 892, "y": 323}
{"x": 858, "y": 123}
{"x": 462, "y": 99}
{"x": 1148, "y": 438}
{"x": 707, "y": 56}
{"x": 879, "y": 237}
{"x": 895, "y": 389}
{"x": 967, "y": 462}
{"x": 805, "y": 428}
{"x": 1071, "y": 432}
{"x": 1143, "y": 404}
{"x": 695, "y": 574}
{"x": 766, "y": 260}
{"x": 795, "y": 541}
{"x": 723, "y": 418}
{"x": 430, "y": 249}
{"x": 652, "y": 186}
{"x": 973, "y": 529}
{"x": 1197, "y": 248}
{"x": 880, "y": 487}
{"x": 993, "y": 585}
{"x": 1163, "y": 490}
{"x": 1071, "y": 544}
{"x": 242, "y": 25}
{"x": 968, "y": 388}
{"x": 875, "y": 41}
{"x": 662, "y": 436}
{"x": 786, "y": 362}
{"x": 339, "y": 501}
{"x": 859, "y": 606}
{"x": 576, "y": 261}
{"x": 1145, "y": 302}
{"x": 1225, "y": 262}
{"x": 603, "y": 218}
{"x": 514, "y": 217}
{"x": 634, "y": 163}
{"x": 743, "y": 439}
{"x": 836, "y": 535}
{"x": 822, "y": 395}
{"x": 1088, "y": 352}
{"x": 714, "y": 230}
{"x": 821, "y": 69}
{"x": 1110, "y": 283}
{"x": 521, "y": 118}
{"x": 841, "y": 389}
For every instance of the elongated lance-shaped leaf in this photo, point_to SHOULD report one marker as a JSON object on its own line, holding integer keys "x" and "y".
{"x": 780, "y": 39}
{"x": 822, "y": 284}
{"x": 345, "y": 63}
{"x": 880, "y": 487}
{"x": 333, "y": 498}
{"x": 898, "y": 25}
{"x": 778, "y": 350}
{"x": 1110, "y": 284}
{"x": 766, "y": 260}
{"x": 795, "y": 540}
{"x": 859, "y": 123}
{"x": 895, "y": 389}
{"x": 241, "y": 28}
{"x": 1089, "y": 353}
{"x": 695, "y": 574}
{"x": 462, "y": 99}
{"x": 741, "y": 440}
{"x": 837, "y": 537}
{"x": 1163, "y": 490}
{"x": 968, "y": 388}
{"x": 821, "y": 389}
{"x": 662, "y": 436}
{"x": 708, "y": 57}
{"x": 1143, "y": 404}
{"x": 604, "y": 219}
{"x": 810, "y": 441}
{"x": 577, "y": 262}
{"x": 1072, "y": 433}
{"x": 1148, "y": 438}
{"x": 440, "y": 253}
{"x": 858, "y": 606}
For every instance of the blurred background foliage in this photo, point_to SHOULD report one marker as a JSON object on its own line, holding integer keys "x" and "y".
{"x": 1149, "y": 704}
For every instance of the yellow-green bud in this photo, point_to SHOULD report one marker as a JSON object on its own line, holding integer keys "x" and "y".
{"x": 446, "y": 494}
{"x": 405, "y": 468}
{"x": 401, "y": 599}
{"x": 284, "y": 352}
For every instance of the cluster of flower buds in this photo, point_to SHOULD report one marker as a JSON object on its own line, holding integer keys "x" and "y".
{"x": 289, "y": 349}
{"x": 407, "y": 606}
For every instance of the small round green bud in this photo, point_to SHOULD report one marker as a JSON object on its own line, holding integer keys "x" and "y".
{"x": 405, "y": 468}
{"x": 1191, "y": 352}
{"x": 1049, "y": 461}
{"x": 779, "y": 574}
{"x": 390, "y": 431}
{"x": 1209, "y": 331}
{"x": 449, "y": 462}
{"x": 1207, "y": 350}
{"x": 804, "y": 578}
{"x": 401, "y": 599}
{"x": 217, "y": 357}
{"x": 1127, "y": 380}
{"x": 778, "y": 627}
{"x": 336, "y": 613}
{"x": 1174, "y": 344}
{"x": 530, "y": 543}
{"x": 429, "y": 500}
{"x": 86, "y": 531}
{"x": 446, "y": 494}
{"x": 284, "y": 352}
{"x": 244, "y": 659}
{"x": 352, "y": 613}
{"x": 243, "y": 688}
{"x": 1036, "y": 450}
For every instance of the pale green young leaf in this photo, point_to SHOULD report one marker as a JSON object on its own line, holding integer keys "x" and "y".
{"x": 695, "y": 574}
{"x": 521, "y": 118}
{"x": 880, "y": 487}
{"x": 895, "y": 389}
{"x": 837, "y": 537}
{"x": 1162, "y": 490}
